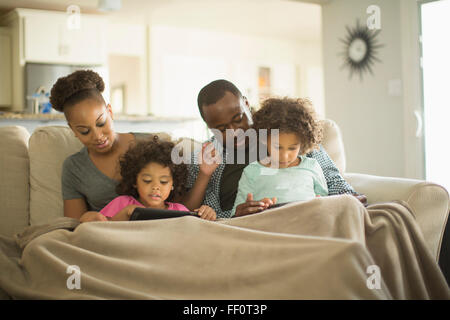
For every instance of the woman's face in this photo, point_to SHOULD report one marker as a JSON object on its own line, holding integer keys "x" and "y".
{"x": 92, "y": 123}
{"x": 284, "y": 152}
{"x": 154, "y": 184}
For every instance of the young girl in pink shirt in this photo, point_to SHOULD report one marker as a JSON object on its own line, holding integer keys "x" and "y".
{"x": 150, "y": 179}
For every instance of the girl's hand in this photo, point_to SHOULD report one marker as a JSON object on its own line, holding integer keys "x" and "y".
{"x": 125, "y": 213}
{"x": 206, "y": 213}
{"x": 91, "y": 216}
{"x": 251, "y": 206}
{"x": 209, "y": 160}
{"x": 269, "y": 202}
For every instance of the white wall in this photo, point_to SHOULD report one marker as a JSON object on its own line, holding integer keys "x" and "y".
{"x": 183, "y": 60}
{"x": 371, "y": 120}
{"x": 127, "y": 62}
{"x": 128, "y": 72}
{"x": 191, "y": 43}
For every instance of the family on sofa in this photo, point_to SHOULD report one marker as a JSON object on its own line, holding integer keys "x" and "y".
{"x": 218, "y": 186}
{"x": 325, "y": 243}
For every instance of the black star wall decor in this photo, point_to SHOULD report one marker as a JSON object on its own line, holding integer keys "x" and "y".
{"x": 360, "y": 49}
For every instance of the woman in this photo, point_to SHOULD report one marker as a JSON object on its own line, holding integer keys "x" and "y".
{"x": 89, "y": 177}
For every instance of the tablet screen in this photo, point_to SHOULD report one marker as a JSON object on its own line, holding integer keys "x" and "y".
{"x": 277, "y": 205}
{"x": 151, "y": 214}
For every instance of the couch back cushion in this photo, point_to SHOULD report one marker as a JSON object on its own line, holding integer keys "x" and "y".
{"x": 14, "y": 180}
{"x": 49, "y": 147}
{"x": 333, "y": 144}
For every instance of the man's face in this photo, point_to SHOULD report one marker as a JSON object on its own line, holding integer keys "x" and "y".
{"x": 230, "y": 112}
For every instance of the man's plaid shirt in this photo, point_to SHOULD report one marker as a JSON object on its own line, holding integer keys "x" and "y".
{"x": 335, "y": 182}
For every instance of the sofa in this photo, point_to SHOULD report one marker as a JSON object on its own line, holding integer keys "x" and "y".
{"x": 30, "y": 175}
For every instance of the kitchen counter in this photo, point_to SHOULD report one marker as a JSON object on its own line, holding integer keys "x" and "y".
{"x": 117, "y": 117}
{"x": 176, "y": 126}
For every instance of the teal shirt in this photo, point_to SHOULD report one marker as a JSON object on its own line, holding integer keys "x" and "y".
{"x": 298, "y": 183}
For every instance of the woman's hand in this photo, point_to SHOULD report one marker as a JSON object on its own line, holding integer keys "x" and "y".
{"x": 250, "y": 206}
{"x": 125, "y": 213}
{"x": 206, "y": 212}
{"x": 91, "y": 216}
{"x": 209, "y": 160}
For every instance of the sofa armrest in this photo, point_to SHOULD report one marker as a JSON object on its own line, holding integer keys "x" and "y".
{"x": 429, "y": 201}
{"x": 14, "y": 180}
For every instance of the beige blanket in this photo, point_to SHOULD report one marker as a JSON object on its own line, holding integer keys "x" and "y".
{"x": 321, "y": 249}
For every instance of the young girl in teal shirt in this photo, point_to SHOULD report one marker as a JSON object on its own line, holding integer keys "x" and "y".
{"x": 285, "y": 174}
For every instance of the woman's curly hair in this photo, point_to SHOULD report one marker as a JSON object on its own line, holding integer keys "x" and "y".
{"x": 76, "y": 87}
{"x": 290, "y": 116}
{"x": 140, "y": 155}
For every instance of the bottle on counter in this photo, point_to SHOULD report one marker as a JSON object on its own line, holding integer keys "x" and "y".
{"x": 41, "y": 101}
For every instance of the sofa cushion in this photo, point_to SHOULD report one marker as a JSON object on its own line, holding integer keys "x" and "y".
{"x": 333, "y": 144}
{"x": 49, "y": 147}
{"x": 14, "y": 177}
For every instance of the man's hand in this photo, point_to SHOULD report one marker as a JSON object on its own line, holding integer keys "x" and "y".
{"x": 209, "y": 160}
{"x": 362, "y": 198}
{"x": 91, "y": 216}
{"x": 206, "y": 212}
{"x": 125, "y": 213}
{"x": 250, "y": 206}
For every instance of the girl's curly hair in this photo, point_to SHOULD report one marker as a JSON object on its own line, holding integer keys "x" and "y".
{"x": 290, "y": 116}
{"x": 76, "y": 87}
{"x": 140, "y": 155}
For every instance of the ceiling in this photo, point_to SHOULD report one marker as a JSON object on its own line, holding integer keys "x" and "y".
{"x": 271, "y": 18}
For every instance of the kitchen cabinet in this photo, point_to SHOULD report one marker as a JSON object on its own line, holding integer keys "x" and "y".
{"x": 51, "y": 41}
{"x": 5, "y": 68}
{"x": 40, "y": 36}
{"x": 48, "y": 38}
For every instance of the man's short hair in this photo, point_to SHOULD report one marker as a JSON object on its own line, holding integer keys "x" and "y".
{"x": 214, "y": 91}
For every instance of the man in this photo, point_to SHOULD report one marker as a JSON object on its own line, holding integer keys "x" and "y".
{"x": 222, "y": 106}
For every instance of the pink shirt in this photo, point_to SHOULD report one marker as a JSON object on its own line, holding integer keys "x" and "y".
{"x": 117, "y": 204}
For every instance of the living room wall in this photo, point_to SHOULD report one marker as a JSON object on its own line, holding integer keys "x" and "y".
{"x": 183, "y": 60}
{"x": 193, "y": 43}
{"x": 371, "y": 112}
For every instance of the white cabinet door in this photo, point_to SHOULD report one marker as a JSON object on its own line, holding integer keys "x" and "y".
{"x": 42, "y": 39}
{"x": 87, "y": 45}
{"x": 47, "y": 39}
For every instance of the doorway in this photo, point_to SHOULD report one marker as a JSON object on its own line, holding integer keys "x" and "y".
{"x": 435, "y": 25}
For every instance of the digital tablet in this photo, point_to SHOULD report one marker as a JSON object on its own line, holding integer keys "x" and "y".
{"x": 152, "y": 214}
{"x": 276, "y": 205}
